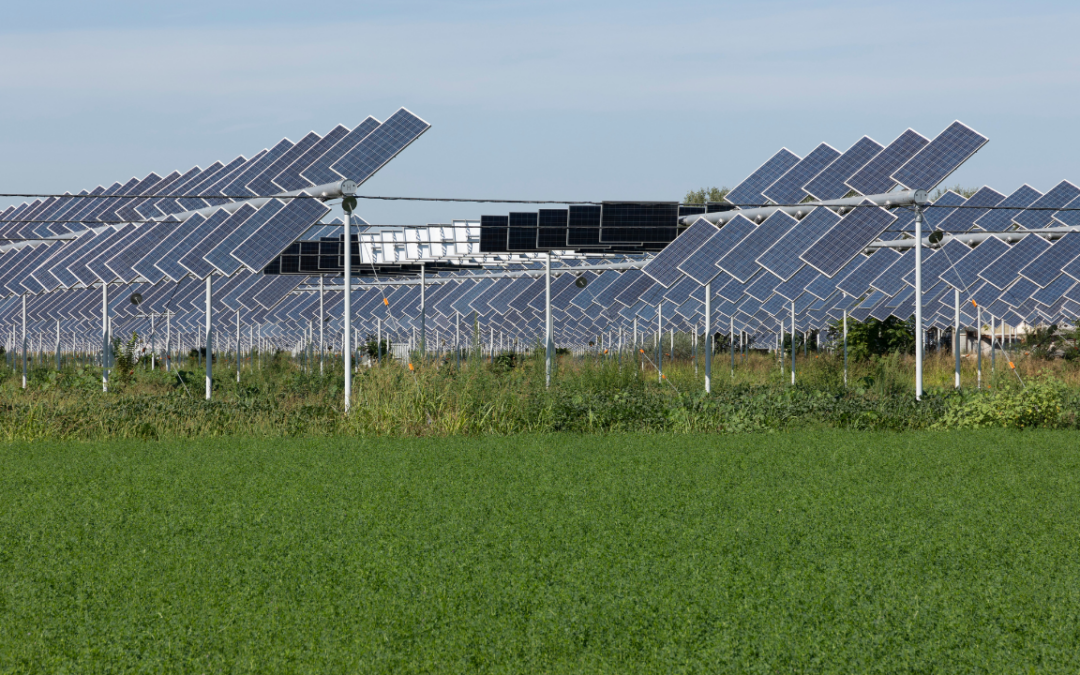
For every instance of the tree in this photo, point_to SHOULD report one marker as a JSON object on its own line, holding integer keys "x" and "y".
{"x": 713, "y": 194}
{"x": 877, "y": 338}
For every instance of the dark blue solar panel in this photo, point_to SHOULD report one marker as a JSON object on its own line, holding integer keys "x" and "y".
{"x": 1060, "y": 195}
{"x": 782, "y": 259}
{"x": 750, "y": 191}
{"x": 220, "y": 256}
{"x": 796, "y": 285}
{"x": 263, "y": 184}
{"x": 1001, "y": 218}
{"x": 942, "y": 208}
{"x": 144, "y": 239}
{"x": 320, "y": 171}
{"x": 206, "y": 180}
{"x": 965, "y": 272}
{"x": 891, "y": 279}
{"x": 941, "y": 157}
{"x": 290, "y": 178}
{"x": 381, "y": 145}
{"x": 702, "y": 264}
{"x": 763, "y": 286}
{"x": 847, "y": 238}
{"x": 267, "y": 242}
{"x": 829, "y": 184}
{"x": 875, "y": 177}
{"x": 1004, "y": 270}
{"x": 251, "y": 170}
{"x": 856, "y": 281}
{"x": 822, "y": 286}
{"x": 635, "y": 290}
{"x": 962, "y": 220}
{"x": 1073, "y": 269}
{"x": 1054, "y": 291}
{"x": 1048, "y": 266}
{"x": 740, "y": 262}
{"x": 937, "y": 261}
{"x": 788, "y": 188}
{"x": 1069, "y": 217}
{"x": 214, "y": 230}
{"x": 663, "y": 268}
{"x": 1019, "y": 292}
{"x": 112, "y": 246}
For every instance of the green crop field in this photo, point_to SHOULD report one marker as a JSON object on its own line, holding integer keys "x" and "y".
{"x": 827, "y": 551}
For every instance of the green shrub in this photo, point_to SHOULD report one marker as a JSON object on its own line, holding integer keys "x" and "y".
{"x": 1038, "y": 404}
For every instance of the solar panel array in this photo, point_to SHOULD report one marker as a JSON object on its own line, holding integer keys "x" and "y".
{"x": 269, "y": 254}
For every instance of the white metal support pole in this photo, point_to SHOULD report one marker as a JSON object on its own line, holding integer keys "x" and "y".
{"x": 993, "y": 332}
{"x": 322, "y": 322}
{"x": 168, "y": 340}
{"x": 548, "y": 342}
{"x": 58, "y": 345}
{"x": 104, "y": 336}
{"x": 153, "y": 343}
{"x": 24, "y": 340}
{"x": 956, "y": 337}
{"x": 237, "y": 346}
{"x": 209, "y": 339}
{"x": 423, "y": 313}
{"x": 457, "y": 338}
{"x": 978, "y": 344}
{"x": 918, "y": 304}
{"x": 845, "y": 348}
{"x": 660, "y": 341}
{"x": 378, "y": 340}
{"x": 708, "y": 337}
{"x": 346, "y": 340}
{"x": 793, "y": 344}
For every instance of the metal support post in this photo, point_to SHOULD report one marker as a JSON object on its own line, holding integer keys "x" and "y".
{"x": 548, "y": 341}
{"x": 793, "y": 344}
{"x": 731, "y": 344}
{"x": 322, "y": 323}
{"x": 238, "y": 346}
{"x": 918, "y": 303}
{"x": 956, "y": 336}
{"x": 105, "y": 346}
{"x": 845, "y": 348}
{"x": 346, "y": 340}
{"x": 58, "y": 345}
{"x": 423, "y": 312}
{"x": 978, "y": 345}
{"x": 24, "y": 340}
{"x": 659, "y": 341}
{"x": 209, "y": 339}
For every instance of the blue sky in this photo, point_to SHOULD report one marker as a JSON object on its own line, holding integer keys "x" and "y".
{"x": 544, "y": 100}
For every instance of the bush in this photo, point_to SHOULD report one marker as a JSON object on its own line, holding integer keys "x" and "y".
{"x": 1038, "y": 404}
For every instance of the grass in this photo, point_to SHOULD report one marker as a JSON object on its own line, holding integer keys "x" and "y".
{"x": 279, "y": 399}
{"x": 813, "y": 552}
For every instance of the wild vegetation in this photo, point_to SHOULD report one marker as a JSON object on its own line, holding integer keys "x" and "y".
{"x": 278, "y": 395}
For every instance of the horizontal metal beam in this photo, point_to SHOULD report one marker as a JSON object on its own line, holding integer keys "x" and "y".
{"x": 888, "y": 200}
{"x": 976, "y": 237}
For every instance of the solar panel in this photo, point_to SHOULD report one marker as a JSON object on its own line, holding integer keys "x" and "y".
{"x": 265, "y": 243}
{"x": 663, "y": 268}
{"x": 1048, "y": 266}
{"x": 891, "y": 279}
{"x": 1007, "y": 267}
{"x": 763, "y": 286}
{"x": 847, "y": 238}
{"x": 381, "y": 145}
{"x": 1073, "y": 269}
{"x": 941, "y": 157}
{"x": 1060, "y": 195}
{"x": 263, "y": 184}
{"x": 145, "y": 238}
{"x": 858, "y": 279}
{"x": 320, "y": 171}
{"x": 290, "y": 179}
{"x": 220, "y": 256}
{"x": 821, "y": 286}
{"x": 750, "y": 191}
{"x": 253, "y": 169}
{"x": 638, "y": 222}
{"x": 552, "y": 232}
{"x": 796, "y": 285}
{"x": 219, "y": 225}
{"x": 962, "y": 220}
{"x": 782, "y": 258}
{"x": 875, "y": 176}
{"x": 1019, "y": 292}
{"x": 583, "y": 226}
{"x": 740, "y": 262}
{"x": 937, "y": 261}
{"x": 964, "y": 273}
{"x": 1008, "y": 209}
{"x": 521, "y": 235}
{"x": 96, "y": 262}
{"x": 829, "y": 184}
{"x": 1054, "y": 291}
{"x": 788, "y": 188}
{"x": 942, "y": 208}
{"x": 701, "y": 265}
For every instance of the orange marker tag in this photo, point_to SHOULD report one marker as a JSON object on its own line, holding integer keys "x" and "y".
{"x": 642, "y": 351}
{"x": 386, "y": 302}
{"x": 410, "y": 366}
{"x": 1011, "y": 365}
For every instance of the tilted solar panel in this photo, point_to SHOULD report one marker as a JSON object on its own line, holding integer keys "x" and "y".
{"x": 829, "y": 184}
{"x": 782, "y": 258}
{"x": 750, "y": 191}
{"x": 1008, "y": 209}
{"x": 943, "y": 155}
{"x": 847, "y": 238}
{"x": 788, "y": 188}
{"x": 741, "y": 261}
{"x": 875, "y": 177}
{"x": 664, "y": 267}
{"x": 1060, "y": 195}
